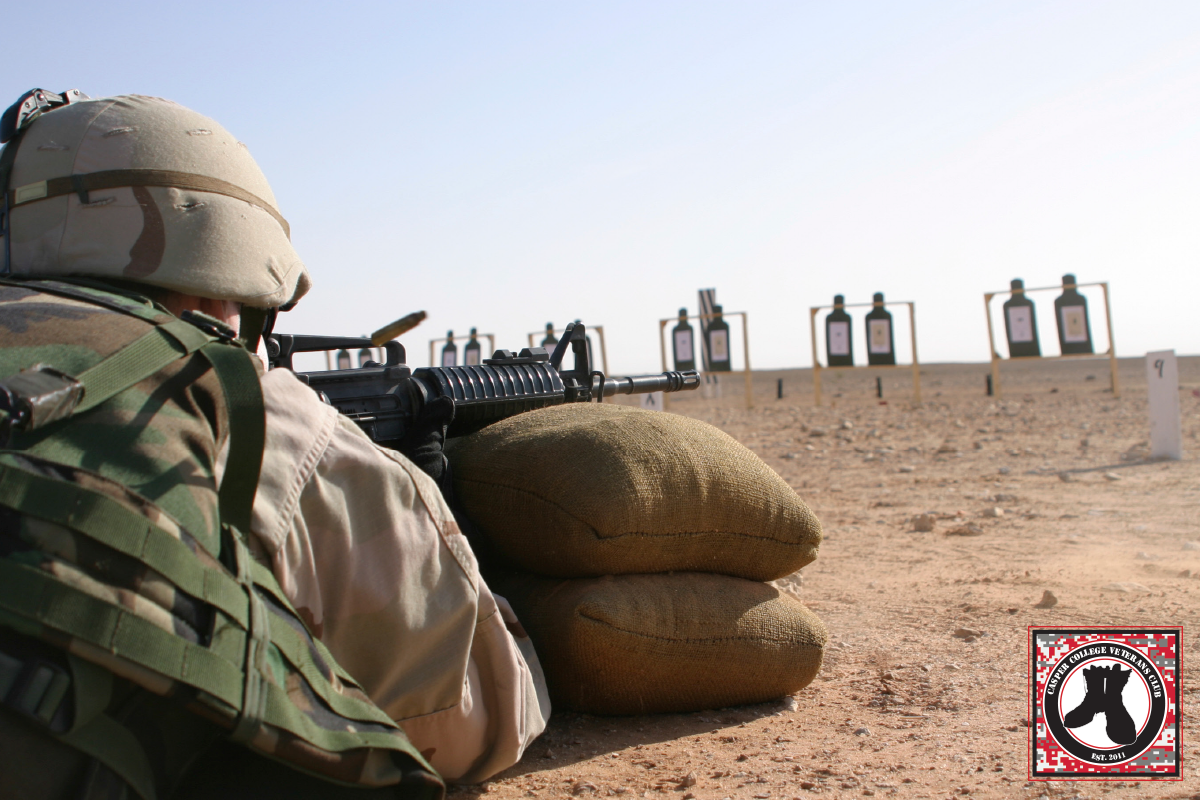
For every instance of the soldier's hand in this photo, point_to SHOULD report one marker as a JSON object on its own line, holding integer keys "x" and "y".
{"x": 423, "y": 441}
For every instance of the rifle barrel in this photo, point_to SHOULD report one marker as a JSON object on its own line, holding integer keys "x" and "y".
{"x": 667, "y": 382}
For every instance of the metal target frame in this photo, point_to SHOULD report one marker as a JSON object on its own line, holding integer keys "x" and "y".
{"x": 912, "y": 328}
{"x": 662, "y": 344}
{"x": 1111, "y": 354}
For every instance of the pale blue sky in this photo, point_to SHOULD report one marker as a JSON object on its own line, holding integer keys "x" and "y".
{"x": 507, "y": 164}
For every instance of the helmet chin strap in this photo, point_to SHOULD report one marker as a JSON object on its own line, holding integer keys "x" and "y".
{"x": 255, "y": 323}
{"x": 7, "y": 157}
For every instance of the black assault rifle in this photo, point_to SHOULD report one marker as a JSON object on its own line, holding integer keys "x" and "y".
{"x": 383, "y": 399}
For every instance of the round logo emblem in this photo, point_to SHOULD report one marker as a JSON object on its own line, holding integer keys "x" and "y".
{"x": 1104, "y": 703}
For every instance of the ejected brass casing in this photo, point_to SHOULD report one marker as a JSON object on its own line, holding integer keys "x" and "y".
{"x": 397, "y": 328}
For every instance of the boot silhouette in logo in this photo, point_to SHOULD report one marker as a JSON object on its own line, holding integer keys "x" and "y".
{"x": 1118, "y": 724}
{"x": 1094, "y": 701}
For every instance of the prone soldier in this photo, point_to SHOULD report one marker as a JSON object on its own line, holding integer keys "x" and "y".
{"x": 143, "y": 248}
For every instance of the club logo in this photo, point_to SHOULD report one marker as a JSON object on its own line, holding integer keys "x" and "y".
{"x": 1105, "y": 703}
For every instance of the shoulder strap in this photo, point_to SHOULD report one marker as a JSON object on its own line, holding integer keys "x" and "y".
{"x": 247, "y": 431}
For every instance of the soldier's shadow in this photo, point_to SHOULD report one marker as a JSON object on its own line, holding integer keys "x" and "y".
{"x": 571, "y": 737}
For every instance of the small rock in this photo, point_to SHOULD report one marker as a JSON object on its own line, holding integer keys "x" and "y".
{"x": 1111, "y": 476}
{"x": 970, "y": 529}
{"x": 1187, "y": 573}
{"x": 1191, "y": 545}
{"x": 847, "y": 425}
{"x": 966, "y": 633}
{"x": 580, "y": 787}
{"x": 687, "y": 781}
{"x": 817, "y": 432}
{"x": 1048, "y": 600}
{"x": 1004, "y": 470}
{"x": 862, "y": 732}
{"x": 906, "y": 468}
{"x": 809, "y": 447}
{"x": 1004, "y": 498}
{"x": 923, "y": 523}
{"x": 993, "y": 513}
{"x": 1066, "y": 477}
{"x": 1144, "y": 556}
{"x": 806, "y": 785}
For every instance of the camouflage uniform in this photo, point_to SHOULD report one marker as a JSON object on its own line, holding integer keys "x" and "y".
{"x": 112, "y": 551}
{"x": 357, "y": 537}
{"x": 366, "y": 549}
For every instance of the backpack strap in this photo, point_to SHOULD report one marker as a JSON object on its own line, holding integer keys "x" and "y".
{"x": 247, "y": 431}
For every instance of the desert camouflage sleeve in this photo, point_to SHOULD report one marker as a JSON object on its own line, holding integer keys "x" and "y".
{"x": 366, "y": 549}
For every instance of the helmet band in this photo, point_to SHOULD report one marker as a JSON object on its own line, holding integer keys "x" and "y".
{"x": 119, "y": 178}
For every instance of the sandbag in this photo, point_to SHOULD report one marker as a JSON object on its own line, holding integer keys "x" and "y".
{"x": 641, "y": 644}
{"x": 596, "y": 489}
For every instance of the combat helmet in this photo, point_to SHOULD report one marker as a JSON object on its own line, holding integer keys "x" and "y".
{"x": 140, "y": 189}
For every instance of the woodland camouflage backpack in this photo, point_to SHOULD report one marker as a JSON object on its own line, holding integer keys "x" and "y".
{"x": 137, "y": 632}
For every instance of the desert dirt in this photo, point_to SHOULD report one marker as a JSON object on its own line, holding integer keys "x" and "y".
{"x": 1052, "y": 476}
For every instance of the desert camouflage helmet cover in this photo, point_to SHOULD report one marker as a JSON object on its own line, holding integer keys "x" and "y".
{"x": 143, "y": 189}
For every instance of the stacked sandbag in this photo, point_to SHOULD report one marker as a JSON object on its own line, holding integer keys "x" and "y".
{"x": 635, "y": 546}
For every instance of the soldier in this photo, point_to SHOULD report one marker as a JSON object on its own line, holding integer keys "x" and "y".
{"x": 136, "y": 200}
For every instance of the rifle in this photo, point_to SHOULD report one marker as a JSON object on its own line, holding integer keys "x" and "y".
{"x": 383, "y": 399}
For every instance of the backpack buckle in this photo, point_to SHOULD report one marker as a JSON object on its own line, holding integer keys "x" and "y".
{"x": 34, "y": 688}
{"x": 210, "y": 325}
{"x": 35, "y": 397}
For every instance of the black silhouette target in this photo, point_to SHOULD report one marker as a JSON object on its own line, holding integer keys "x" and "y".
{"x": 1143, "y": 671}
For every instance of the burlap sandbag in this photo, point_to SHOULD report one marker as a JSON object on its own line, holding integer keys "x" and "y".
{"x": 640, "y": 644}
{"x": 598, "y": 489}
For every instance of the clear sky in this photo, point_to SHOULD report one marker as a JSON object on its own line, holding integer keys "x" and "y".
{"x": 505, "y": 164}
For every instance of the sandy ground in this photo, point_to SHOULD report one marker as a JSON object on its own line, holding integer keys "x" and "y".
{"x": 902, "y": 706}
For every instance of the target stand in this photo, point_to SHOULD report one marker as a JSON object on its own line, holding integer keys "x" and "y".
{"x": 662, "y": 343}
{"x": 1111, "y": 354}
{"x": 912, "y": 324}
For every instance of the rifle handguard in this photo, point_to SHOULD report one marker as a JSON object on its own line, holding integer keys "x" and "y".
{"x": 383, "y": 399}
